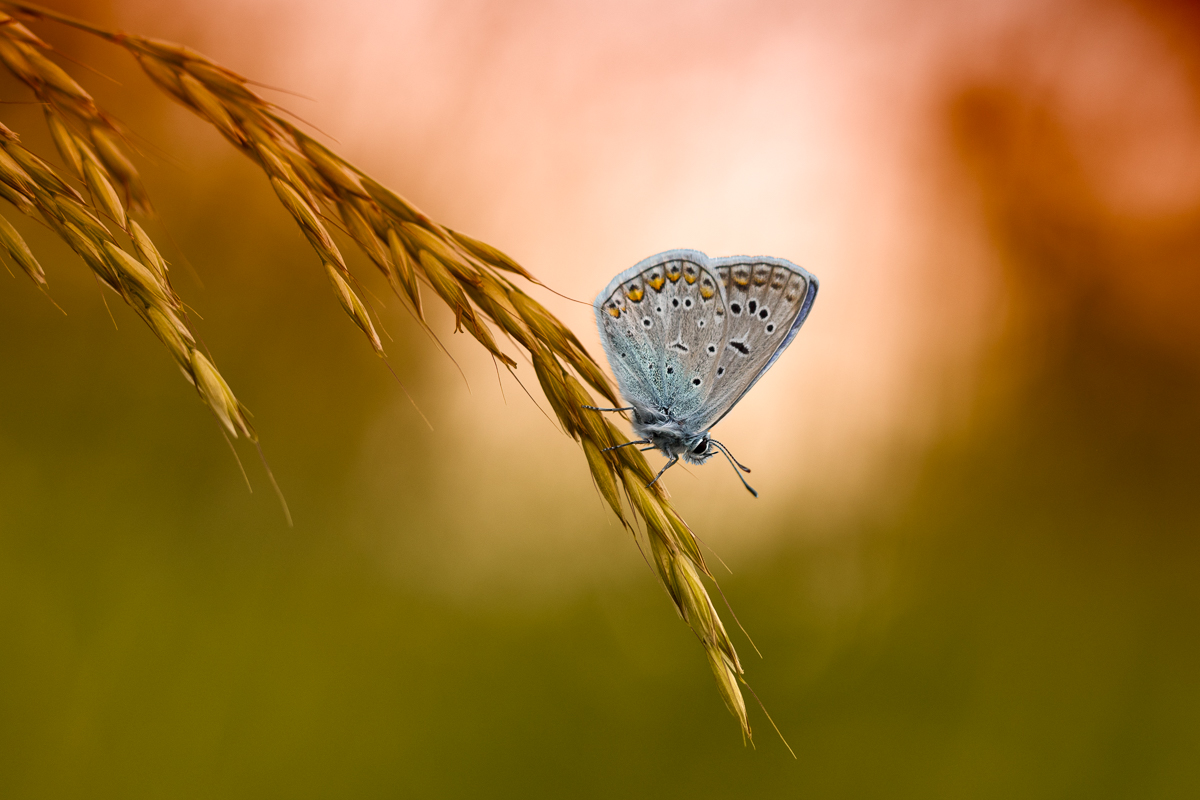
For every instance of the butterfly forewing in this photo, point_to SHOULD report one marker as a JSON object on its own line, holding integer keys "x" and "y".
{"x": 662, "y": 326}
{"x": 767, "y": 300}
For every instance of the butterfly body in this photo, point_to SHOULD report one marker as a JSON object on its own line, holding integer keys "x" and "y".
{"x": 687, "y": 336}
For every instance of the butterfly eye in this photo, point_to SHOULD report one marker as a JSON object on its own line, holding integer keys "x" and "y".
{"x": 701, "y": 447}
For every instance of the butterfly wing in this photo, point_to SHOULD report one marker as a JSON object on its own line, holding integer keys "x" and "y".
{"x": 768, "y": 300}
{"x": 662, "y": 324}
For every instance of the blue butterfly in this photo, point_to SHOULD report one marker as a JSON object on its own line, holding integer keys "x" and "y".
{"x": 687, "y": 336}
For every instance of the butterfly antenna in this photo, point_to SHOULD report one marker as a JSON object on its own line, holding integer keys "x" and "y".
{"x": 593, "y": 408}
{"x": 729, "y": 455}
{"x": 734, "y": 463}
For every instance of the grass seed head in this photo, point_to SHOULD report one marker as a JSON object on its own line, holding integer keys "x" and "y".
{"x": 422, "y": 239}
{"x": 23, "y": 203}
{"x": 308, "y": 175}
{"x": 404, "y": 271}
{"x": 14, "y": 58}
{"x": 543, "y": 324}
{"x": 64, "y": 142}
{"x": 313, "y": 229}
{"x": 632, "y": 460}
{"x": 104, "y": 195}
{"x": 728, "y": 687}
{"x": 447, "y": 288}
{"x": 591, "y": 423}
{"x": 14, "y": 174}
{"x": 492, "y": 300}
{"x": 139, "y": 278}
{"x": 364, "y": 235}
{"x": 216, "y": 392}
{"x": 82, "y": 218}
{"x": 220, "y": 80}
{"x": 88, "y": 251}
{"x": 646, "y": 505}
{"x": 602, "y": 473}
{"x": 211, "y": 107}
{"x": 12, "y": 242}
{"x": 170, "y": 329}
{"x": 146, "y": 250}
{"x": 550, "y": 376}
{"x": 18, "y": 32}
{"x": 394, "y": 203}
{"x": 333, "y": 168}
{"x": 56, "y": 77}
{"x": 120, "y": 167}
{"x": 684, "y": 538}
{"x": 165, "y": 76}
{"x": 41, "y": 172}
{"x": 353, "y": 305}
{"x": 490, "y": 255}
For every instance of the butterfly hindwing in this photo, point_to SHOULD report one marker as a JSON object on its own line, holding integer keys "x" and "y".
{"x": 767, "y": 300}
{"x": 662, "y": 325}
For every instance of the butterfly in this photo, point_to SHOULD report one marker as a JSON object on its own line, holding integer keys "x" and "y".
{"x": 687, "y": 336}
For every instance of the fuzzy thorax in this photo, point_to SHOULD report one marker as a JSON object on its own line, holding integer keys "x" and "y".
{"x": 669, "y": 436}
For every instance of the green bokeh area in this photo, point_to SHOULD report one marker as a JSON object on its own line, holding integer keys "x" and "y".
{"x": 1026, "y": 623}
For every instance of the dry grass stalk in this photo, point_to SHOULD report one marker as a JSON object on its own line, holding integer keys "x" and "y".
{"x": 316, "y": 186}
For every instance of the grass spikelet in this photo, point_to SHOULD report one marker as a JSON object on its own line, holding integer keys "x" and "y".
{"x": 14, "y": 175}
{"x": 684, "y": 537}
{"x": 602, "y": 473}
{"x": 394, "y": 203}
{"x": 220, "y": 399}
{"x": 306, "y": 215}
{"x": 353, "y": 306}
{"x": 55, "y": 76}
{"x": 332, "y": 168}
{"x": 550, "y": 376}
{"x": 210, "y": 107}
{"x": 421, "y": 239}
{"x": 364, "y": 236}
{"x": 23, "y": 203}
{"x": 164, "y": 75}
{"x": 490, "y": 255}
{"x": 15, "y": 246}
{"x": 727, "y": 685}
{"x": 17, "y": 63}
{"x": 80, "y": 217}
{"x": 120, "y": 167}
{"x": 137, "y": 277}
{"x": 405, "y": 273}
{"x": 41, "y": 172}
{"x": 447, "y": 288}
{"x": 147, "y": 252}
{"x": 104, "y": 195}
{"x": 173, "y": 334}
{"x": 18, "y": 32}
{"x": 64, "y": 142}
{"x": 635, "y": 462}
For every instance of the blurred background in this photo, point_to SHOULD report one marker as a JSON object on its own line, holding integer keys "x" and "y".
{"x": 972, "y": 572}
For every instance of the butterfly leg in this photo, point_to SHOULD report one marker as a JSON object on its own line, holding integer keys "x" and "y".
{"x": 626, "y": 444}
{"x": 668, "y": 465}
{"x": 593, "y": 408}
